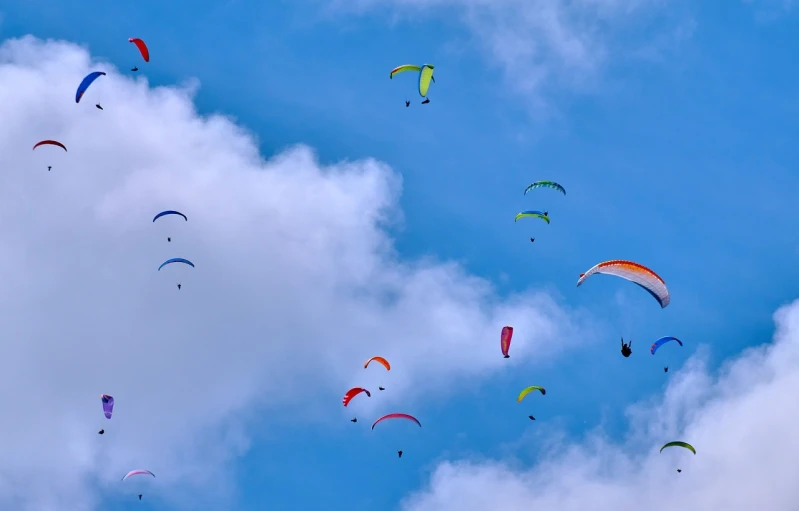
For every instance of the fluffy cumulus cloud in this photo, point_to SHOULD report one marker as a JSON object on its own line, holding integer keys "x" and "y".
{"x": 542, "y": 45}
{"x": 296, "y": 284}
{"x": 742, "y": 423}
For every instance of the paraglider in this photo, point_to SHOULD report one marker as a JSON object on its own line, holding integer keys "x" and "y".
{"x": 635, "y": 273}
{"x": 660, "y": 342}
{"x": 425, "y": 77}
{"x": 531, "y": 389}
{"x": 176, "y": 260}
{"x": 145, "y": 52}
{"x": 352, "y": 393}
{"x": 84, "y": 84}
{"x": 50, "y": 142}
{"x": 545, "y": 184}
{"x": 137, "y": 472}
{"x": 108, "y": 405}
{"x": 684, "y": 445}
{"x": 626, "y": 349}
{"x": 532, "y": 214}
{"x": 679, "y": 444}
{"x": 404, "y": 416}
{"x": 504, "y": 340}
{"x": 380, "y": 360}
{"x": 169, "y": 212}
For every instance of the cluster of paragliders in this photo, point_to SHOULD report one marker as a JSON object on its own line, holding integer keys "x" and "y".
{"x": 543, "y": 215}
{"x": 87, "y": 81}
{"x": 628, "y": 270}
{"x": 107, "y": 400}
{"x": 425, "y": 77}
{"x": 173, "y": 260}
{"x": 108, "y": 411}
{"x": 350, "y": 394}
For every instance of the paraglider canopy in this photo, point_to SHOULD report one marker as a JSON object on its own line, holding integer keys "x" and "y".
{"x": 660, "y": 342}
{"x": 176, "y": 260}
{"x": 137, "y": 472}
{"x": 145, "y": 53}
{"x": 169, "y": 212}
{"x": 504, "y": 340}
{"x": 397, "y": 416}
{"x": 530, "y": 389}
{"x": 352, "y": 393}
{"x": 50, "y": 142}
{"x": 545, "y": 184}
{"x": 84, "y": 84}
{"x": 532, "y": 214}
{"x": 108, "y": 405}
{"x": 635, "y": 273}
{"x": 679, "y": 444}
{"x": 380, "y": 360}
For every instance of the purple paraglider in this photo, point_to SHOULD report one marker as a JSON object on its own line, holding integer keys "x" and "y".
{"x": 108, "y": 405}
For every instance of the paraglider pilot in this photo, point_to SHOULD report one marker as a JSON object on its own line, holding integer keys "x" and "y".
{"x": 48, "y": 168}
{"x": 140, "y": 496}
{"x": 407, "y": 104}
{"x": 98, "y": 106}
{"x": 625, "y": 348}
{"x": 354, "y": 419}
{"x": 531, "y": 417}
{"x": 666, "y": 369}
{"x": 169, "y": 240}
{"x": 381, "y": 388}
{"x": 399, "y": 454}
{"x": 135, "y": 68}
{"x": 532, "y": 240}
{"x": 101, "y": 432}
{"x": 178, "y": 287}
{"x": 426, "y": 101}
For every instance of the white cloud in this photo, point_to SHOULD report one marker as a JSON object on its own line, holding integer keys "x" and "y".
{"x": 542, "y": 45}
{"x": 296, "y": 284}
{"x": 742, "y": 423}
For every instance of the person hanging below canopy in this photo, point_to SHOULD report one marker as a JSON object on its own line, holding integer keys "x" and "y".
{"x": 626, "y": 349}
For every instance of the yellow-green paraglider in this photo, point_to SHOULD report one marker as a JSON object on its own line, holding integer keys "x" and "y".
{"x": 679, "y": 444}
{"x": 530, "y": 389}
{"x": 684, "y": 445}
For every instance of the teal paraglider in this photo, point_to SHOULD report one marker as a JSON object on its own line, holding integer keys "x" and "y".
{"x": 88, "y": 80}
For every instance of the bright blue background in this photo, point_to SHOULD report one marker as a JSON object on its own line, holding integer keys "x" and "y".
{"x": 686, "y": 165}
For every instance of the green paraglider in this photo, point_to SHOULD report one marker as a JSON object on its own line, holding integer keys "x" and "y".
{"x": 679, "y": 444}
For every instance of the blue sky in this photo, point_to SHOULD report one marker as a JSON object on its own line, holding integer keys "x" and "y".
{"x": 673, "y": 130}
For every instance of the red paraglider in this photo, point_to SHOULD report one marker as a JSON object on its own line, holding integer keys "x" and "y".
{"x": 397, "y": 416}
{"x": 51, "y": 142}
{"x": 142, "y": 47}
{"x": 352, "y": 393}
{"x": 504, "y": 340}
